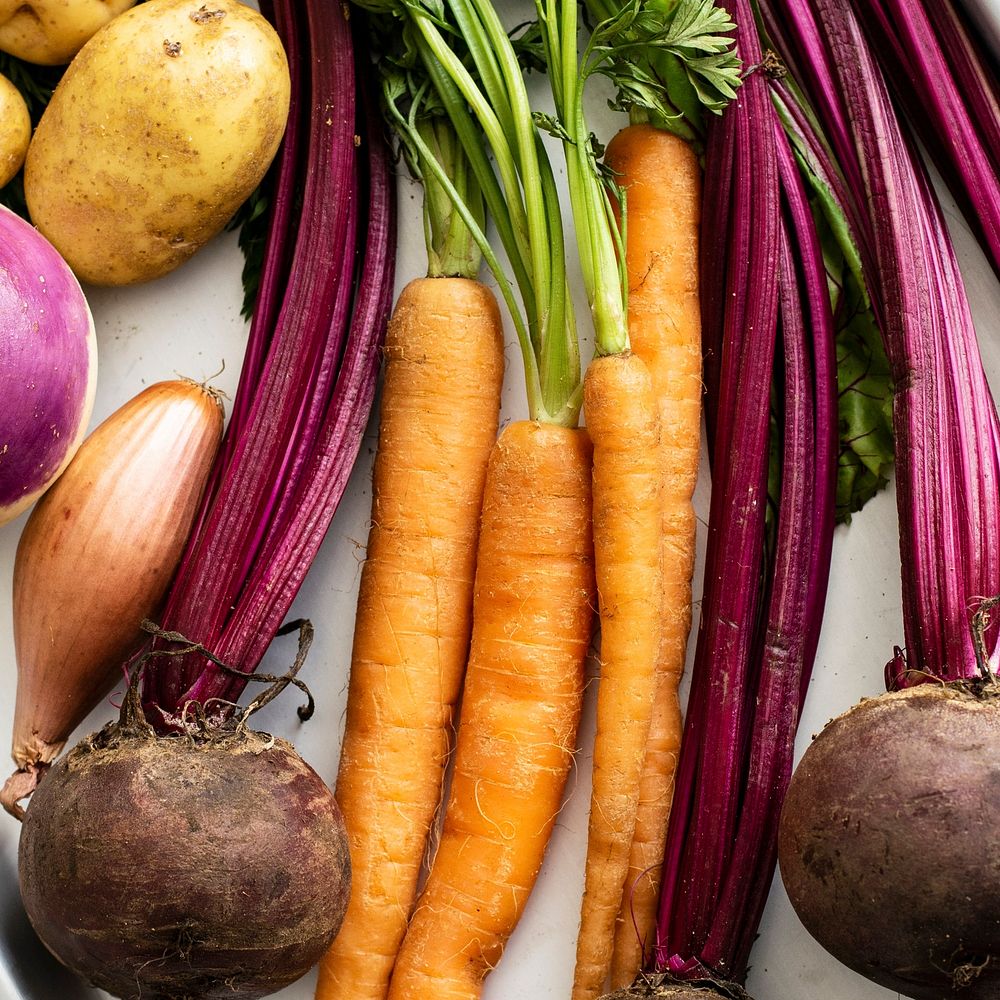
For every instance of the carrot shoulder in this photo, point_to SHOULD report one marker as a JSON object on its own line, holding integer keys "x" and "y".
{"x": 621, "y": 417}
{"x": 520, "y": 711}
{"x": 662, "y": 179}
{"x": 440, "y": 404}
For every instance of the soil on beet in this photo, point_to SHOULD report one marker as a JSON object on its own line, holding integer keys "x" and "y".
{"x": 660, "y": 987}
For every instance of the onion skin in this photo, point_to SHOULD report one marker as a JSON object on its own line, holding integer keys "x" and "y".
{"x": 890, "y": 839}
{"x": 48, "y": 354}
{"x": 169, "y": 867}
{"x": 97, "y": 555}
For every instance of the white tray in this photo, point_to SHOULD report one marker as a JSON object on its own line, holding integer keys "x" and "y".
{"x": 189, "y": 323}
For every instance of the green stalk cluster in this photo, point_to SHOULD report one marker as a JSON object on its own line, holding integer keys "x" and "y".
{"x": 455, "y": 63}
{"x": 671, "y": 62}
{"x": 455, "y": 94}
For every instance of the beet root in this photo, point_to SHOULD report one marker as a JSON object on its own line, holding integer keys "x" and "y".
{"x": 165, "y": 867}
{"x": 889, "y": 843}
{"x": 658, "y": 986}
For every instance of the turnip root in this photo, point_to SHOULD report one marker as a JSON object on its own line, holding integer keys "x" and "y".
{"x": 48, "y": 357}
{"x": 889, "y": 844}
{"x": 206, "y": 866}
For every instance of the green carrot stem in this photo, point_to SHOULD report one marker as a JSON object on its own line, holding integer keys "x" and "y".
{"x": 475, "y": 229}
{"x": 452, "y": 250}
{"x": 597, "y": 226}
{"x": 489, "y": 153}
{"x": 449, "y": 63}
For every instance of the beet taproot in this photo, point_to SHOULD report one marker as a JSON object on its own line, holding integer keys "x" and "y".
{"x": 663, "y": 986}
{"x": 168, "y": 867}
{"x": 889, "y": 843}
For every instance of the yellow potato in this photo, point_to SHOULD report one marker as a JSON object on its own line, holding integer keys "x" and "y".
{"x": 162, "y": 126}
{"x": 51, "y": 32}
{"x": 15, "y": 130}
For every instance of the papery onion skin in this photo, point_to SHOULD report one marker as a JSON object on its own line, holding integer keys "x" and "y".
{"x": 48, "y": 357}
{"x": 97, "y": 555}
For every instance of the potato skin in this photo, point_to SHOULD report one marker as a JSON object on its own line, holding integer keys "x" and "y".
{"x": 15, "y": 130}
{"x": 51, "y": 32}
{"x": 162, "y": 126}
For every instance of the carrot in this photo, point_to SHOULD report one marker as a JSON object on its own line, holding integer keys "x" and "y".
{"x": 534, "y": 591}
{"x": 621, "y": 416}
{"x": 630, "y": 672}
{"x": 440, "y": 405}
{"x": 662, "y": 180}
{"x": 520, "y": 711}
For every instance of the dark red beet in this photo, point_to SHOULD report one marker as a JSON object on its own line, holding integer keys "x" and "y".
{"x": 666, "y": 993}
{"x": 164, "y": 867}
{"x": 657, "y": 986}
{"x": 889, "y": 843}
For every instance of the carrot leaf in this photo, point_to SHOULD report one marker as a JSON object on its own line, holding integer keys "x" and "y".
{"x": 672, "y": 61}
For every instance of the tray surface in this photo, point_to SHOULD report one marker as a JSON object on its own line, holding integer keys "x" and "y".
{"x": 189, "y": 323}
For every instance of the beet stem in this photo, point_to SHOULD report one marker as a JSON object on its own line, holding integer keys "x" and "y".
{"x": 308, "y": 382}
{"x": 762, "y": 609}
{"x": 947, "y": 454}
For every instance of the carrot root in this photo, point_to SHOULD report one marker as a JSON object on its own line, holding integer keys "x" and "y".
{"x": 662, "y": 178}
{"x": 440, "y": 405}
{"x": 621, "y": 417}
{"x": 520, "y": 711}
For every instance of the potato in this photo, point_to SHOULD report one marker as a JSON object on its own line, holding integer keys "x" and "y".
{"x": 15, "y": 130}
{"x": 51, "y": 32}
{"x": 163, "y": 124}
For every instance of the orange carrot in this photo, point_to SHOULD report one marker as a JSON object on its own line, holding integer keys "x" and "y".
{"x": 440, "y": 405}
{"x": 662, "y": 179}
{"x": 520, "y": 711}
{"x": 621, "y": 416}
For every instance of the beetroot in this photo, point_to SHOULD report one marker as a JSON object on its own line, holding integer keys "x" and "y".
{"x": 901, "y": 794}
{"x": 208, "y": 866}
{"x": 661, "y": 986}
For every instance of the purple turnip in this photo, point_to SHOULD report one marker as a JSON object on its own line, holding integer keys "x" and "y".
{"x": 890, "y": 840}
{"x": 48, "y": 357}
{"x": 206, "y": 866}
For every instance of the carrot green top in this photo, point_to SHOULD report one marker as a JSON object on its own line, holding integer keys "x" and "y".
{"x": 671, "y": 61}
{"x": 453, "y": 61}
